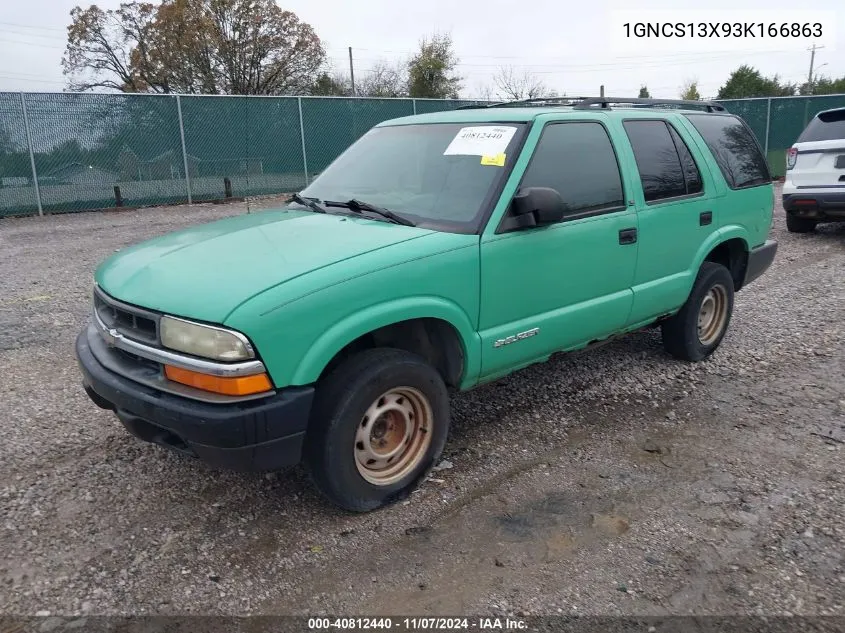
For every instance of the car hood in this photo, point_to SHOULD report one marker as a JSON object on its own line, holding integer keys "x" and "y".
{"x": 205, "y": 272}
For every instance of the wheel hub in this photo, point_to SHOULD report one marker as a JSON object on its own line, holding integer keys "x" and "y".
{"x": 393, "y": 436}
{"x": 712, "y": 315}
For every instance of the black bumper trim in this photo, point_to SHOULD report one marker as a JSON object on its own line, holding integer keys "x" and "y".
{"x": 264, "y": 434}
{"x": 833, "y": 201}
{"x": 759, "y": 260}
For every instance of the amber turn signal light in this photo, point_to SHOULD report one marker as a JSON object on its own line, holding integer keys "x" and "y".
{"x": 240, "y": 386}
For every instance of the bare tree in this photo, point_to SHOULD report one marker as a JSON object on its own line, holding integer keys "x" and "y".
{"x": 485, "y": 92}
{"x": 384, "y": 80}
{"x": 517, "y": 85}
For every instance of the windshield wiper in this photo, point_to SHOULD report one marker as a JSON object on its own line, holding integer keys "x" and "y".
{"x": 311, "y": 203}
{"x": 359, "y": 205}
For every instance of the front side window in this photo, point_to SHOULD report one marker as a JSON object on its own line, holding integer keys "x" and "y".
{"x": 439, "y": 175}
{"x": 657, "y": 159}
{"x": 735, "y": 149}
{"x": 577, "y": 160}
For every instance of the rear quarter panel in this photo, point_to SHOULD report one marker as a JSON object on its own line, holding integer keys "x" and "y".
{"x": 744, "y": 213}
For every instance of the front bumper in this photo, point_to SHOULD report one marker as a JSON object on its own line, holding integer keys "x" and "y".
{"x": 265, "y": 434}
{"x": 759, "y": 260}
{"x": 819, "y": 206}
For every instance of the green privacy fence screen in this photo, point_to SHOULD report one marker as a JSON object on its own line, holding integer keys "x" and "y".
{"x": 66, "y": 152}
{"x": 778, "y": 121}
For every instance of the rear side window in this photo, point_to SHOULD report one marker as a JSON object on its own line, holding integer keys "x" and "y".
{"x": 578, "y": 161}
{"x": 692, "y": 176}
{"x": 657, "y": 160}
{"x": 735, "y": 149}
{"x": 826, "y": 126}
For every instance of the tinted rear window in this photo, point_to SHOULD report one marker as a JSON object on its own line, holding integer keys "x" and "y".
{"x": 657, "y": 160}
{"x": 735, "y": 149}
{"x": 827, "y": 126}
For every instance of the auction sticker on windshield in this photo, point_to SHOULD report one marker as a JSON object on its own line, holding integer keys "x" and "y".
{"x": 486, "y": 140}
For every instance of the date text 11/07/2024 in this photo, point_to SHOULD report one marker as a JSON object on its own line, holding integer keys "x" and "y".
{"x": 418, "y": 624}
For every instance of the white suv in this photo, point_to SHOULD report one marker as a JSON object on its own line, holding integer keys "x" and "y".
{"x": 814, "y": 189}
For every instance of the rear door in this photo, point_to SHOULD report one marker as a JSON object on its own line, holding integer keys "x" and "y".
{"x": 675, "y": 214}
{"x": 820, "y": 154}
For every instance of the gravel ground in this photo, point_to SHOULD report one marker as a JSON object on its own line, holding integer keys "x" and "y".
{"x": 616, "y": 481}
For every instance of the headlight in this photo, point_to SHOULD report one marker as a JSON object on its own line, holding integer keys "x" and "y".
{"x": 204, "y": 340}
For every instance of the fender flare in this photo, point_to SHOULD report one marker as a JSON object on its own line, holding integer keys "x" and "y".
{"x": 380, "y": 315}
{"x": 724, "y": 234}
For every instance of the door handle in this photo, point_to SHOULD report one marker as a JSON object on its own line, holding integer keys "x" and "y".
{"x": 628, "y": 236}
{"x": 705, "y": 218}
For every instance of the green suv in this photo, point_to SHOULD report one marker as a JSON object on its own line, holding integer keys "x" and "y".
{"x": 439, "y": 252}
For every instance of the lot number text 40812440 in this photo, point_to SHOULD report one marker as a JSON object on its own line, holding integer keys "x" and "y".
{"x": 418, "y": 624}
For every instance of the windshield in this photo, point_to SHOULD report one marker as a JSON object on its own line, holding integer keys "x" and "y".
{"x": 438, "y": 175}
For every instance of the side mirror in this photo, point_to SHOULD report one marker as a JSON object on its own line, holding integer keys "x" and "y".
{"x": 536, "y": 206}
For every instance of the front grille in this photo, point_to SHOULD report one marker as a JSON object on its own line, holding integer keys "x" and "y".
{"x": 134, "y": 323}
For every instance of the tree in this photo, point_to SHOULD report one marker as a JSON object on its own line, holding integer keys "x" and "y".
{"x": 746, "y": 81}
{"x": 384, "y": 80}
{"x": 520, "y": 85}
{"x": 432, "y": 70}
{"x": 823, "y": 86}
{"x": 334, "y": 85}
{"x": 644, "y": 93}
{"x": 689, "y": 91}
{"x": 192, "y": 46}
{"x": 100, "y": 45}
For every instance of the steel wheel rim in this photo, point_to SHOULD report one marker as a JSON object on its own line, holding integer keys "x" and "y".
{"x": 393, "y": 436}
{"x": 712, "y": 315}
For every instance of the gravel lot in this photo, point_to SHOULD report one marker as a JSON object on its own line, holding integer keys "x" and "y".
{"x": 617, "y": 481}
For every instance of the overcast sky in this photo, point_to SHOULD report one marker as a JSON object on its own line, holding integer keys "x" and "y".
{"x": 567, "y": 46}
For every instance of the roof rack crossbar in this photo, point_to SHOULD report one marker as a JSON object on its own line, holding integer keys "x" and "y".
{"x": 604, "y": 102}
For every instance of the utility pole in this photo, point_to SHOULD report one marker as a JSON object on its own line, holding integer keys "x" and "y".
{"x": 812, "y": 50}
{"x": 352, "y": 72}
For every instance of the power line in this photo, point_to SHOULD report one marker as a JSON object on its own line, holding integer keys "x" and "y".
{"x": 38, "y": 44}
{"x": 32, "y": 26}
{"x": 55, "y": 38}
{"x": 574, "y": 67}
{"x": 37, "y": 81}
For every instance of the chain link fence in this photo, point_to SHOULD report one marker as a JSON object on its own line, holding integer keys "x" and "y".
{"x": 68, "y": 152}
{"x": 778, "y": 121}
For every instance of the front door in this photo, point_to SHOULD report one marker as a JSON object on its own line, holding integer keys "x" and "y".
{"x": 559, "y": 287}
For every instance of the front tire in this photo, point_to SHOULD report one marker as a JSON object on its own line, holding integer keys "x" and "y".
{"x": 799, "y": 225}
{"x": 699, "y": 326}
{"x": 379, "y": 424}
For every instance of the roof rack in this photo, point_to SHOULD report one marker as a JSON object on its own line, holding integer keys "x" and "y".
{"x": 586, "y": 103}
{"x": 604, "y": 102}
{"x": 523, "y": 102}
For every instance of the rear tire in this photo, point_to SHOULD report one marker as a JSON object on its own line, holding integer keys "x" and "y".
{"x": 700, "y": 325}
{"x": 799, "y": 225}
{"x": 379, "y": 424}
